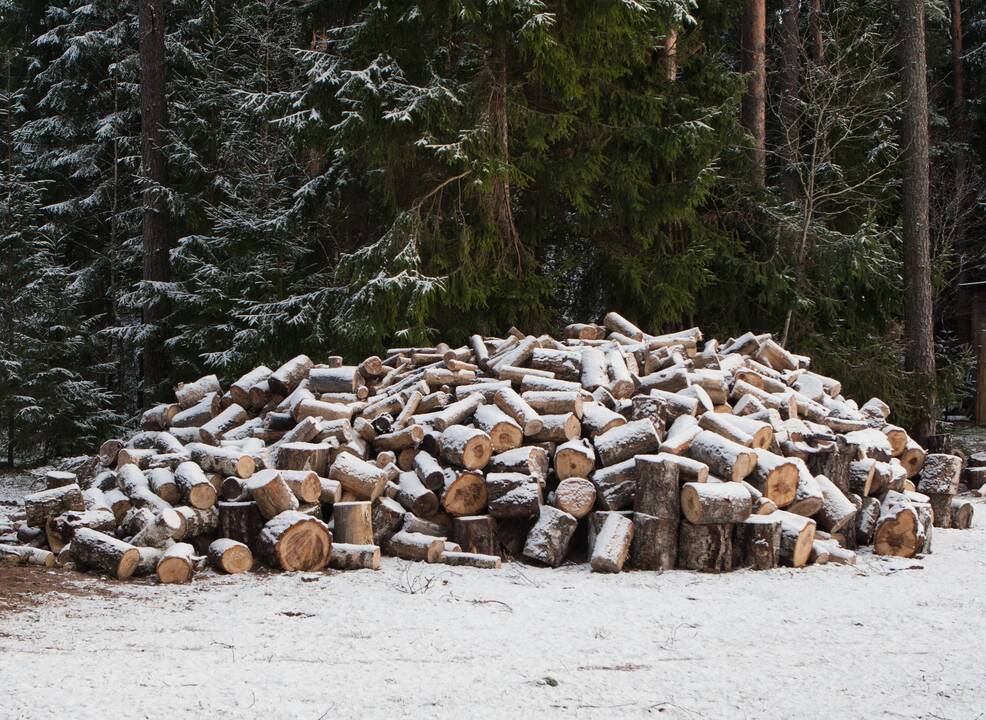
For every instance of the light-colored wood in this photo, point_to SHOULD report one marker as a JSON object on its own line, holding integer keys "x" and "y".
{"x": 295, "y": 541}
{"x": 230, "y": 556}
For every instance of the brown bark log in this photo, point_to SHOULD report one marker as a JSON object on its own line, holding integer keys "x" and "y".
{"x": 476, "y": 534}
{"x": 240, "y": 521}
{"x": 294, "y": 541}
{"x": 706, "y": 548}
{"x": 352, "y": 523}
{"x": 96, "y": 550}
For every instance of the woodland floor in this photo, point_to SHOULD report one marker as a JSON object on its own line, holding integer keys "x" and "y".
{"x": 886, "y": 639}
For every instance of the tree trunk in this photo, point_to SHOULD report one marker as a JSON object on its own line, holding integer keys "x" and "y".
{"x": 153, "y": 129}
{"x": 790, "y": 77}
{"x": 959, "y": 127}
{"x": 499, "y": 198}
{"x": 753, "y": 113}
{"x": 918, "y": 325}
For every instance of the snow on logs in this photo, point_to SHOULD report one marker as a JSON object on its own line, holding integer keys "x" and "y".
{"x": 609, "y": 445}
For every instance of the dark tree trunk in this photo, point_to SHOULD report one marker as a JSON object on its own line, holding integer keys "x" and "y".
{"x": 499, "y": 198}
{"x": 815, "y": 26}
{"x": 918, "y": 327}
{"x": 753, "y": 112}
{"x": 153, "y": 127}
{"x": 790, "y": 76}
{"x": 959, "y": 129}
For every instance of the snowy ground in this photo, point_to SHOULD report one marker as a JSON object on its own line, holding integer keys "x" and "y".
{"x": 889, "y": 638}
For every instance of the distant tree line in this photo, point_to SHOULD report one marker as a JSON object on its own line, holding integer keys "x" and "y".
{"x": 204, "y": 185}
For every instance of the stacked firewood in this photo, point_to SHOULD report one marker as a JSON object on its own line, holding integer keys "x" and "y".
{"x": 612, "y": 445}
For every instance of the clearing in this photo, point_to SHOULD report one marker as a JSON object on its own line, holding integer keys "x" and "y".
{"x": 889, "y": 638}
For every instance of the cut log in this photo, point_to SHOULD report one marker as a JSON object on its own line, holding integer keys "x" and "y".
{"x": 657, "y": 487}
{"x": 797, "y": 536}
{"x": 899, "y": 530}
{"x": 626, "y": 441}
{"x": 26, "y": 555}
{"x": 837, "y": 511}
{"x": 612, "y": 544}
{"x": 940, "y": 474}
{"x": 529, "y": 460}
{"x": 594, "y": 368}
{"x": 655, "y": 542}
{"x": 576, "y": 496}
{"x": 555, "y": 402}
{"x": 476, "y": 534}
{"x": 352, "y": 523}
{"x": 598, "y": 419}
{"x": 429, "y": 471}
{"x": 388, "y": 517}
{"x": 616, "y": 485}
{"x": 416, "y": 546}
{"x": 757, "y": 542}
{"x": 558, "y": 429}
{"x": 271, "y": 494}
{"x": 466, "y": 447}
{"x": 866, "y": 519}
{"x": 680, "y": 435}
{"x": 808, "y": 495}
{"x": 961, "y": 511}
{"x": 466, "y": 559}
{"x": 464, "y": 493}
{"x": 413, "y": 495}
{"x": 230, "y": 556}
{"x": 196, "y": 489}
{"x": 304, "y": 456}
{"x": 287, "y": 377}
{"x": 346, "y": 556}
{"x": 725, "y": 458}
{"x": 516, "y": 407}
{"x": 214, "y": 430}
{"x": 159, "y": 531}
{"x": 304, "y": 484}
{"x": 363, "y": 479}
{"x": 294, "y": 541}
{"x": 177, "y": 564}
{"x": 706, "y": 548}
{"x": 408, "y": 437}
{"x": 574, "y": 459}
{"x": 60, "y": 529}
{"x": 40, "y": 506}
{"x": 505, "y": 433}
{"x": 99, "y": 551}
{"x": 861, "y": 476}
{"x": 714, "y": 503}
{"x": 162, "y": 483}
{"x": 912, "y": 458}
{"x": 196, "y": 523}
{"x": 58, "y": 478}
{"x": 548, "y": 540}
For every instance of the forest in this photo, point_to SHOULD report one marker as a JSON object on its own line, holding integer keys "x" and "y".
{"x": 192, "y": 186}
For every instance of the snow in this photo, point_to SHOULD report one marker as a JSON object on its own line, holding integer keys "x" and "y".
{"x": 889, "y": 638}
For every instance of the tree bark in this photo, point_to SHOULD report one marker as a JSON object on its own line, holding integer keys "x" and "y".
{"x": 753, "y": 113}
{"x": 959, "y": 127}
{"x": 153, "y": 129}
{"x": 918, "y": 325}
{"x": 790, "y": 76}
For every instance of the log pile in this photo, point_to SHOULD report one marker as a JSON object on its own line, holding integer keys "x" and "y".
{"x": 610, "y": 445}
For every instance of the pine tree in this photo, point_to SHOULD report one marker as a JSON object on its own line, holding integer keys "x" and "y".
{"x": 46, "y": 404}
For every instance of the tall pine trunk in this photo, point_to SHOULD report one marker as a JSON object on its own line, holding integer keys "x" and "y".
{"x": 959, "y": 128}
{"x": 918, "y": 324}
{"x": 790, "y": 80}
{"x": 153, "y": 128}
{"x": 754, "y": 112}
{"x": 500, "y": 200}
